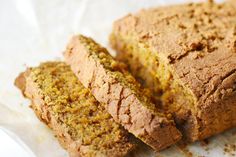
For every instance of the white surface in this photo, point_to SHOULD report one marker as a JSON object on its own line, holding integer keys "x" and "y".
{"x": 13, "y": 146}
{"x": 34, "y": 31}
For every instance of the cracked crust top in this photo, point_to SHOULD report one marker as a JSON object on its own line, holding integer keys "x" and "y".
{"x": 112, "y": 85}
{"x": 199, "y": 44}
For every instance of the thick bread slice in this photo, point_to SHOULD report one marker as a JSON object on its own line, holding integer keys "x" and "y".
{"x": 79, "y": 122}
{"x": 112, "y": 85}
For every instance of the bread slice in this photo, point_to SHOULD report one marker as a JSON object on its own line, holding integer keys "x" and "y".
{"x": 187, "y": 55}
{"x": 111, "y": 84}
{"x": 80, "y": 123}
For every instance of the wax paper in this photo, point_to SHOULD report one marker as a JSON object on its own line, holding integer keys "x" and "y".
{"x": 33, "y": 31}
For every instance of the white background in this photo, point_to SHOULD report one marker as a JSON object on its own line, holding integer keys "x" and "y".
{"x": 32, "y": 31}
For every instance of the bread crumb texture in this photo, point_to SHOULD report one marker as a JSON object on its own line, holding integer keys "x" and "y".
{"x": 76, "y": 108}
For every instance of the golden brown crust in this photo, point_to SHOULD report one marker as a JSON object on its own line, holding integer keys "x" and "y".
{"x": 46, "y": 86}
{"x": 198, "y": 43}
{"x": 20, "y": 81}
{"x": 95, "y": 69}
{"x": 189, "y": 44}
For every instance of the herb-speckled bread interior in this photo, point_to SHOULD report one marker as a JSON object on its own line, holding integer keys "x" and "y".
{"x": 78, "y": 120}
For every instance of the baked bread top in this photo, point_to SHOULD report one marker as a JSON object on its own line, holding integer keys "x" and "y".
{"x": 197, "y": 40}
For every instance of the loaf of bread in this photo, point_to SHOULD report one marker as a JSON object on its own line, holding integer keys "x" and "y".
{"x": 114, "y": 86}
{"x": 186, "y": 54}
{"x": 78, "y": 120}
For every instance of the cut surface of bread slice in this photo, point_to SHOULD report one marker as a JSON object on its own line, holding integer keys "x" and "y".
{"x": 79, "y": 121}
{"x": 111, "y": 84}
{"x": 186, "y": 55}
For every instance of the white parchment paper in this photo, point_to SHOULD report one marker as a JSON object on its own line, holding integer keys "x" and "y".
{"x": 32, "y": 31}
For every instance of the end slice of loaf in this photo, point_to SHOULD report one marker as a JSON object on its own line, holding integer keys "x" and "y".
{"x": 80, "y": 123}
{"x": 112, "y": 85}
